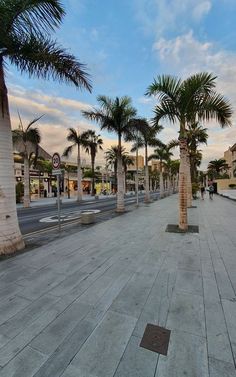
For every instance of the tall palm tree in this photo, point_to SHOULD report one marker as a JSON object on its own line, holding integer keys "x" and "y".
{"x": 115, "y": 115}
{"x": 25, "y": 42}
{"x": 215, "y": 167}
{"x": 94, "y": 144}
{"x": 186, "y": 101}
{"x": 27, "y": 141}
{"x": 174, "y": 171}
{"x": 146, "y": 138}
{"x": 112, "y": 158}
{"x": 162, "y": 154}
{"x": 196, "y": 135}
{"x": 79, "y": 140}
{"x": 126, "y": 161}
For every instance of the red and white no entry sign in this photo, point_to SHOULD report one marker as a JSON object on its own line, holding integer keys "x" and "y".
{"x": 56, "y": 161}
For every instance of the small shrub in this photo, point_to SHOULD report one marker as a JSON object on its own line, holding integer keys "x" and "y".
{"x": 232, "y": 185}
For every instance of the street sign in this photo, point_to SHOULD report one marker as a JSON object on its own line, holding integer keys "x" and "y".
{"x": 56, "y": 171}
{"x": 56, "y": 161}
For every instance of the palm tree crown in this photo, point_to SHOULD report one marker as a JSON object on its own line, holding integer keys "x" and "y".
{"x": 113, "y": 115}
{"x": 94, "y": 143}
{"x": 184, "y": 100}
{"x": 215, "y": 167}
{"x": 25, "y": 41}
{"x": 27, "y": 139}
{"x": 78, "y": 139}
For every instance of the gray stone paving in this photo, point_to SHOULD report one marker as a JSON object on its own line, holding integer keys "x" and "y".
{"x": 78, "y": 306}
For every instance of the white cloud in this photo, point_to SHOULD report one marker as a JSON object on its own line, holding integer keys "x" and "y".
{"x": 162, "y": 16}
{"x": 201, "y": 9}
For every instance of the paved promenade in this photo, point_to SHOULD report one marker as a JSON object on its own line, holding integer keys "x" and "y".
{"x": 78, "y": 307}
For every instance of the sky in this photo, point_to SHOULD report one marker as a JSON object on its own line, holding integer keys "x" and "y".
{"x": 125, "y": 44}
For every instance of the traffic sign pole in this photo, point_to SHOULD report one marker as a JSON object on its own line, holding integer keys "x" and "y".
{"x": 56, "y": 163}
{"x": 58, "y": 203}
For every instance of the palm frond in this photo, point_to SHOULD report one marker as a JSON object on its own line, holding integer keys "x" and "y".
{"x": 68, "y": 150}
{"x": 43, "y": 58}
{"x": 173, "y": 144}
{"x": 33, "y": 121}
{"x": 72, "y": 135}
{"x": 165, "y": 87}
{"x": 218, "y": 108}
{"x": 165, "y": 112}
{"x": 16, "y": 136}
{"x": 33, "y": 136}
{"x": 24, "y": 17}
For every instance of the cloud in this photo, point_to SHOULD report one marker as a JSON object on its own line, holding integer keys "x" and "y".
{"x": 185, "y": 55}
{"x": 164, "y": 16}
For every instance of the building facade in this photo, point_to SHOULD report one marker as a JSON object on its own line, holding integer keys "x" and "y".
{"x": 230, "y": 158}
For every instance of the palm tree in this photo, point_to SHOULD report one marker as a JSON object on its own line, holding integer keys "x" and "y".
{"x": 187, "y": 101}
{"x": 78, "y": 140}
{"x": 94, "y": 144}
{"x": 126, "y": 161}
{"x": 112, "y": 158}
{"x": 215, "y": 167}
{"x": 162, "y": 154}
{"x": 174, "y": 171}
{"x": 115, "y": 115}
{"x": 25, "y": 41}
{"x": 196, "y": 135}
{"x": 145, "y": 137}
{"x": 27, "y": 141}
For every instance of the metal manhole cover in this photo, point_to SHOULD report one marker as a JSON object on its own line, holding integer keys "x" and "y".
{"x": 156, "y": 339}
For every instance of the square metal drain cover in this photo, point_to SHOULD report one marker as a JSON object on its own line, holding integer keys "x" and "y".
{"x": 156, "y": 339}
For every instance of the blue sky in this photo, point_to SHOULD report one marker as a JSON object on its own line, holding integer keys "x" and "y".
{"x": 125, "y": 44}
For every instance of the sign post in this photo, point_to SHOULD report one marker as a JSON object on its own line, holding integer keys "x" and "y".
{"x": 56, "y": 163}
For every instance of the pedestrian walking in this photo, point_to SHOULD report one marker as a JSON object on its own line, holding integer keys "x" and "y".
{"x": 211, "y": 191}
{"x": 202, "y": 191}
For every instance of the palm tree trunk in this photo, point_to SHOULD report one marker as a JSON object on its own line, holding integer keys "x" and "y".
{"x": 189, "y": 181}
{"x": 147, "y": 191}
{"x": 183, "y": 220}
{"x": 10, "y": 236}
{"x": 79, "y": 177}
{"x": 161, "y": 181}
{"x": 120, "y": 180}
{"x": 27, "y": 183}
{"x": 93, "y": 178}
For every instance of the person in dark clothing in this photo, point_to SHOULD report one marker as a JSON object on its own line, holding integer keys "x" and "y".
{"x": 202, "y": 191}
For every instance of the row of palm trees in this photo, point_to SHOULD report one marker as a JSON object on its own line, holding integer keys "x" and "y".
{"x": 25, "y": 41}
{"x": 27, "y": 139}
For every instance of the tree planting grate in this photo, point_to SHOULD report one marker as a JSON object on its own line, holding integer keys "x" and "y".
{"x": 156, "y": 339}
{"x": 173, "y": 228}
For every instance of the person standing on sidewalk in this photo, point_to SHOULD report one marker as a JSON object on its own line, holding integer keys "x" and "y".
{"x": 202, "y": 191}
{"x": 211, "y": 191}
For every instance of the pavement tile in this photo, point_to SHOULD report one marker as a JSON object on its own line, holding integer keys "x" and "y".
{"x": 217, "y": 368}
{"x": 102, "y": 352}
{"x": 186, "y": 313}
{"x": 187, "y": 357}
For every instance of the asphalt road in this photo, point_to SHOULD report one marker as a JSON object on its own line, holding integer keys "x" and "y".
{"x": 43, "y": 217}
